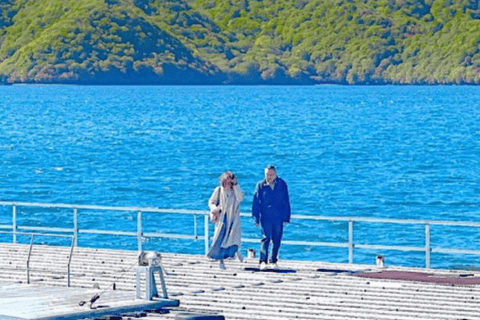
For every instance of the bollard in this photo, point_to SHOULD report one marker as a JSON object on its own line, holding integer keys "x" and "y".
{"x": 149, "y": 263}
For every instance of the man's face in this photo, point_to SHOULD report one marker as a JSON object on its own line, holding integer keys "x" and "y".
{"x": 270, "y": 175}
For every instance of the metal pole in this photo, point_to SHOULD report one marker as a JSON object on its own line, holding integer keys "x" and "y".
{"x": 70, "y": 260}
{"x": 206, "y": 234}
{"x": 195, "y": 226}
{"x": 428, "y": 249}
{"x": 162, "y": 281}
{"x": 139, "y": 231}
{"x": 75, "y": 226}
{"x": 14, "y": 221}
{"x": 28, "y": 259}
{"x": 350, "y": 241}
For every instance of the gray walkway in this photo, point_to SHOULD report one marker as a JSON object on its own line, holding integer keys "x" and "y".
{"x": 34, "y": 301}
{"x": 303, "y": 290}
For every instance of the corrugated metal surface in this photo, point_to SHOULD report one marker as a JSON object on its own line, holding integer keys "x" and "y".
{"x": 300, "y": 292}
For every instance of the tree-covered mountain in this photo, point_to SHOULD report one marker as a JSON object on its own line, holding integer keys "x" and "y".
{"x": 240, "y": 41}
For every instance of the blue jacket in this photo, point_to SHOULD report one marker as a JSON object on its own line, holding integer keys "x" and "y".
{"x": 269, "y": 205}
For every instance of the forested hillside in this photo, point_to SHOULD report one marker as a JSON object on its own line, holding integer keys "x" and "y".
{"x": 240, "y": 41}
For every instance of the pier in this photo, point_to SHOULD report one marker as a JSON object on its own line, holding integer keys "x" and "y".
{"x": 299, "y": 290}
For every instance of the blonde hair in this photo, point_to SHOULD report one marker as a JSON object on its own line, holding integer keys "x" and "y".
{"x": 225, "y": 176}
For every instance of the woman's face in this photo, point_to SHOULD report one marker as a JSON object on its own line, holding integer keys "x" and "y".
{"x": 227, "y": 182}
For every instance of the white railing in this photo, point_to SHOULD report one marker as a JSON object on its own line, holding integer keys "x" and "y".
{"x": 76, "y": 231}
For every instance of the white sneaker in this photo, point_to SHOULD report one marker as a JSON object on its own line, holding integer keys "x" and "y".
{"x": 222, "y": 265}
{"x": 263, "y": 266}
{"x": 275, "y": 266}
{"x": 239, "y": 256}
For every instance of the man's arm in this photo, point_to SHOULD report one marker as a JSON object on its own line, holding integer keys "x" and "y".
{"x": 286, "y": 203}
{"x": 256, "y": 205}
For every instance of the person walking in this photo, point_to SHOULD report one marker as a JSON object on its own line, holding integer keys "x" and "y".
{"x": 271, "y": 210}
{"x": 224, "y": 207}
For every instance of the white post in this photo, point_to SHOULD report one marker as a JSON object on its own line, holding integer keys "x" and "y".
{"x": 206, "y": 234}
{"x": 75, "y": 226}
{"x": 350, "y": 241}
{"x": 427, "y": 246}
{"x": 195, "y": 226}
{"x": 139, "y": 231}
{"x": 14, "y": 223}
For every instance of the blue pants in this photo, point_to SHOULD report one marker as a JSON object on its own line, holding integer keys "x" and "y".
{"x": 271, "y": 231}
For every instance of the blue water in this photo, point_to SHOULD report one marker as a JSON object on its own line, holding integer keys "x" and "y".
{"x": 387, "y": 151}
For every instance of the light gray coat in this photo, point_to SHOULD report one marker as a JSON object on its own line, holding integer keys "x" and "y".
{"x": 218, "y": 200}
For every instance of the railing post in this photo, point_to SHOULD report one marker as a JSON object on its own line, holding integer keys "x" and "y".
{"x": 350, "y": 241}
{"x": 195, "y": 226}
{"x": 70, "y": 260}
{"x": 28, "y": 258}
{"x": 428, "y": 248}
{"x": 14, "y": 223}
{"x": 206, "y": 234}
{"x": 75, "y": 226}
{"x": 139, "y": 230}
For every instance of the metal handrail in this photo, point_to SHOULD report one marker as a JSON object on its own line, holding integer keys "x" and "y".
{"x": 32, "y": 236}
{"x": 28, "y": 259}
{"x": 203, "y": 212}
{"x": 70, "y": 260}
{"x": 140, "y": 235}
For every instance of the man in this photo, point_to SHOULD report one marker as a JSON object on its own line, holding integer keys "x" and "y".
{"x": 271, "y": 209}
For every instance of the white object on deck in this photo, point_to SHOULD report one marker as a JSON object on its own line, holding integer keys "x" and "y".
{"x": 380, "y": 262}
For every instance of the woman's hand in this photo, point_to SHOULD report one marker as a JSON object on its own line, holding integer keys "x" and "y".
{"x": 215, "y": 215}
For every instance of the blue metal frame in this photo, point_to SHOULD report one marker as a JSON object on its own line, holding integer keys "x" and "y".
{"x": 14, "y": 229}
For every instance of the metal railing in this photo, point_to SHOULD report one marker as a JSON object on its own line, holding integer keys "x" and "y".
{"x": 32, "y": 237}
{"x": 427, "y": 249}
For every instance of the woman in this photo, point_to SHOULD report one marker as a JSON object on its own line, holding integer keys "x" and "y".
{"x": 225, "y": 212}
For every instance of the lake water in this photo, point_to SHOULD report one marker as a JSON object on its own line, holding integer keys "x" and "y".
{"x": 405, "y": 152}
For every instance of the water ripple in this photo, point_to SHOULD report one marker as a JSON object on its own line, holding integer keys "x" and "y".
{"x": 387, "y": 152}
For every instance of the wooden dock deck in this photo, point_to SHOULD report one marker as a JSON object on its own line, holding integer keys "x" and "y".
{"x": 300, "y": 290}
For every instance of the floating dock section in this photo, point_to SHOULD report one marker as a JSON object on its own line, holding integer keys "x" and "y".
{"x": 33, "y": 301}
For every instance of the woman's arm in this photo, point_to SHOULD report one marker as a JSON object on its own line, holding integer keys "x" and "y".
{"x": 214, "y": 204}
{"x": 238, "y": 193}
